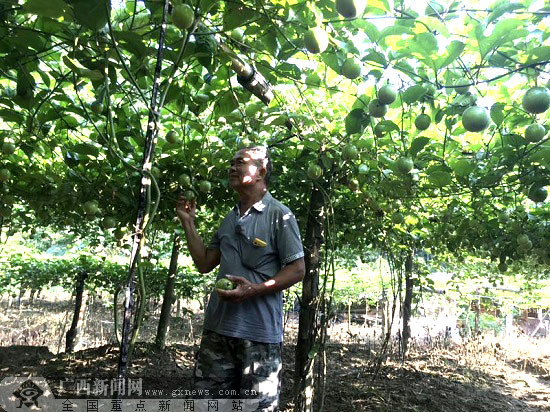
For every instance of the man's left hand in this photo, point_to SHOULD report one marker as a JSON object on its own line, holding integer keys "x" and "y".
{"x": 244, "y": 290}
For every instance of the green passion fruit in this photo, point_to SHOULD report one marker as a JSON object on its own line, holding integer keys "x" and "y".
{"x": 351, "y": 68}
{"x": 183, "y": 16}
{"x": 314, "y": 171}
{"x": 535, "y": 132}
{"x": 377, "y": 108}
{"x": 225, "y": 284}
{"x": 387, "y": 94}
{"x": 422, "y": 121}
{"x": 316, "y": 40}
{"x": 349, "y": 152}
{"x": 404, "y": 165}
{"x": 350, "y": 8}
{"x": 537, "y": 194}
{"x": 536, "y": 100}
{"x": 475, "y": 119}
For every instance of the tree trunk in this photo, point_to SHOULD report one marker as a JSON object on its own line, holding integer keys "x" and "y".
{"x": 168, "y": 299}
{"x": 70, "y": 336}
{"x": 307, "y": 330}
{"x": 407, "y": 304}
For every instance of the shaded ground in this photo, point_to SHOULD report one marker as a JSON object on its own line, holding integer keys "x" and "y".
{"x": 475, "y": 376}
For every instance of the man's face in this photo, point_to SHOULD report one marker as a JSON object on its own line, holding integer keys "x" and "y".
{"x": 246, "y": 168}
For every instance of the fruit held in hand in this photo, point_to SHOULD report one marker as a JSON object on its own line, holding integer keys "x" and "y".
{"x": 189, "y": 195}
{"x": 536, "y": 100}
{"x": 316, "y": 40}
{"x": 225, "y": 284}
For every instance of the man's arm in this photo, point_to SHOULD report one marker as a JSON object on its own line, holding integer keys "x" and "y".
{"x": 205, "y": 259}
{"x": 289, "y": 275}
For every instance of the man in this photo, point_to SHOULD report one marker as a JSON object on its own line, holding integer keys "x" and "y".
{"x": 258, "y": 247}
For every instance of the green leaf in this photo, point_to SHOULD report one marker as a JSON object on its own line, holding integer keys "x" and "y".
{"x": 132, "y": 42}
{"x": 362, "y": 102}
{"x": 69, "y": 121}
{"x": 505, "y": 31}
{"x": 512, "y": 139}
{"x": 453, "y": 51}
{"x": 538, "y": 54}
{"x": 497, "y": 113}
{"x": 413, "y": 93}
{"x": 440, "y": 178}
{"x": 26, "y": 39}
{"x": 25, "y": 83}
{"x": 45, "y": 8}
{"x": 332, "y": 61}
{"x": 270, "y": 41}
{"x": 376, "y": 58}
{"x": 393, "y": 31}
{"x": 425, "y": 43}
{"x": 226, "y": 104}
{"x": 11, "y": 116}
{"x": 371, "y": 31}
{"x": 463, "y": 167}
{"x": 86, "y": 149}
{"x": 92, "y": 14}
{"x": 206, "y": 5}
{"x": 418, "y": 144}
{"x": 541, "y": 155}
{"x": 91, "y": 74}
{"x": 504, "y": 27}
{"x": 501, "y": 8}
{"x": 354, "y": 121}
{"x": 237, "y": 15}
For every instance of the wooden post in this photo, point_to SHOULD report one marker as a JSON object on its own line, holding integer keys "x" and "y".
{"x": 407, "y": 304}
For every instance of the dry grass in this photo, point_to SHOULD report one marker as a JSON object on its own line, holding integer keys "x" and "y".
{"x": 482, "y": 374}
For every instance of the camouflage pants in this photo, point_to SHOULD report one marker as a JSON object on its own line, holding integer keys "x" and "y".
{"x": 229, "y": 367}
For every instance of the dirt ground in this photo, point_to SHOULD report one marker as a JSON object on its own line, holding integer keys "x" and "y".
{"x": 485, "y": 374}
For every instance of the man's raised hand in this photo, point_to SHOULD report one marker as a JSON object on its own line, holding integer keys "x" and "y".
{"x": 186, "y": 209}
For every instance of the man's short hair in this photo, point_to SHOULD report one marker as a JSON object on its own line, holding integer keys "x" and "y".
{"x": 263, "y": 159}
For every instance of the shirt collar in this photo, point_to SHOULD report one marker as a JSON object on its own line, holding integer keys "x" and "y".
{"x": 260, "y": 205}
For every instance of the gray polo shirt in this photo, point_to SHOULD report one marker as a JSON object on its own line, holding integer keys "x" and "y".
{"x": 255, "y": 247}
